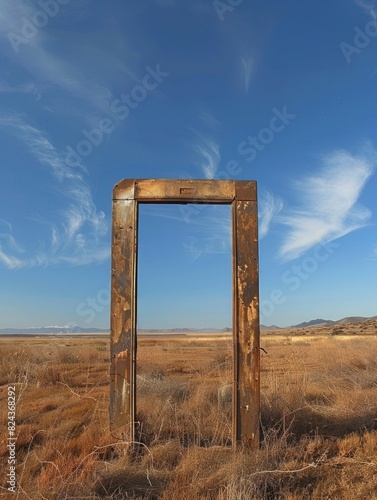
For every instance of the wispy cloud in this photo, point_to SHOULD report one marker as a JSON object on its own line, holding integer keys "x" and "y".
{"x": 6, "y": 236}
{"x": 329, "y": 202}
{"x": 269, "y": 207}
{"x": 208, "y": 228}
{"x": 7, "y": 239}
{"x": 59, "y": 66}
{"x": 54, "y": 69}
{"x": 27, "y": 88}
{"x": 209, "y": 120}
{"x": 11, "y": 14}
{"x": 77, "y": 230}
{"x": 39, "y": 146}
{"x": 210, "y": 233}
{"x": 247, "y": 64}
{"x": 208, "y": 152}
{"x": 10, "y": 261}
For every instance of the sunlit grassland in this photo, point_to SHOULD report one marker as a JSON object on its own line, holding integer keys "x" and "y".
{"x": 318, "y": 420}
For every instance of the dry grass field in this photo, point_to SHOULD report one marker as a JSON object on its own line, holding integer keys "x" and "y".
{"x": 318, "y": 419}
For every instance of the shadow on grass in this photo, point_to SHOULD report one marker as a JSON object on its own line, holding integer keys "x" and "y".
{"x": 131, "y": 483}
{"x": 308, "y": 421}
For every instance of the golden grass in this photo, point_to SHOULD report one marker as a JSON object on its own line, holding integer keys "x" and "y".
{"x": 318, "y": 420}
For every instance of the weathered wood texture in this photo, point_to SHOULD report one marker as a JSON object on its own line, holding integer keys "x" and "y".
{"x": 123, "y": 319}
{"x": 242, "y": 196}
{"x": 185, "y": 191}
{"x": 246, "y": 396}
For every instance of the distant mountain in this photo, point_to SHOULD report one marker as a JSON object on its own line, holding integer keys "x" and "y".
{"x": 270, "y": 327}
{"x": 180, "y": 330}
{"x": 328, "y": 322}
{"x": 314, "y": 322}
{"x": 67, "y": 330}
{"x": 51, "y": 330}
{"x": 353, "y": 319}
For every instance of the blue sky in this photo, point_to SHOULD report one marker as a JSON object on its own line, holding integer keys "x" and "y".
{"x": 283, "y": 93}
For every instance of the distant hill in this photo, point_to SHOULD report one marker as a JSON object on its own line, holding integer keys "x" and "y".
{"x": 68, "y": 330}
{"x": 328, "y": 322}
{"x": 271, "y": 327}
{"x": 181, "y": 330}
{"x": 353, "y": 319}
{"x": 321, "y": 322}
{"x": 314, "y": 322}
{"x": 51, "y": 330}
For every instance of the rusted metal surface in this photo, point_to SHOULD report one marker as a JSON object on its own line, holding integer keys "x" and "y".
{"x": 123, "y": 319}
{"x": 246, "y": 395}
{"x": 242, "y": 196}
{"x": 246, "y": 191}
{"x": 172, "y": 190}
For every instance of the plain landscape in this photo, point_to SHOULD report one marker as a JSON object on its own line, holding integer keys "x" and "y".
{"x": 318, "y": 417}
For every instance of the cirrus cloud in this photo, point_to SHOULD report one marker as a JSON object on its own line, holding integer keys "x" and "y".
{"x": 329, "y": 202}
{"x": 77, "y": 230}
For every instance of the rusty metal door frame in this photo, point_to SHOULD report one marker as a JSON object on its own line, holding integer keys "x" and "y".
{"x": 242, "y": 196}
